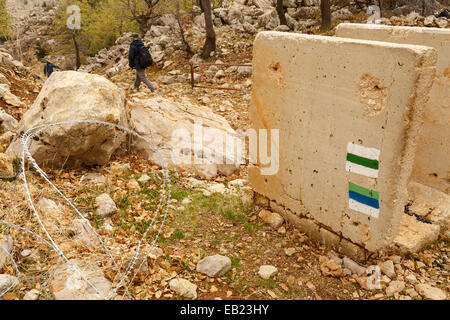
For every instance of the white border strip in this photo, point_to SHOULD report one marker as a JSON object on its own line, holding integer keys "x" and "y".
{"x": 360, "y": 207}
{"x": 359, "y": 150}
{"x": 359, "y": 169}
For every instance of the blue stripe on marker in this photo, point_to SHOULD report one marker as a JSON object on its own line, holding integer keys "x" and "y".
{"x": 374, "y": 203}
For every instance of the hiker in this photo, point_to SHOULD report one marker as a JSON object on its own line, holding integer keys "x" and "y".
{"x": 48, "y": 68}
{"x": 139, "y": 58}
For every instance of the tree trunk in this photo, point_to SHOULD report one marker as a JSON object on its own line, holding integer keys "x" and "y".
{"x": 281, "y": 14}
{"x": 77, "y": 52}
{"x": 210, "y": 43}
{"x": 180, "y": 25}
{"x": 325, "y": 9}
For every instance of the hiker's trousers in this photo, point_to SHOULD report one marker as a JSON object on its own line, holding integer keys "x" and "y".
{"x": 141, "y": 77}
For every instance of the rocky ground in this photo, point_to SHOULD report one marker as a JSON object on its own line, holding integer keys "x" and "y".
{"x": 216, "y": 242}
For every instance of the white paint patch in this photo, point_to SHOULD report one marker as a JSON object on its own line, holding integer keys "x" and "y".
{"x": 357, "y": 206}
{"x": 356, "y": 168}
{"x": 359, "y": 150}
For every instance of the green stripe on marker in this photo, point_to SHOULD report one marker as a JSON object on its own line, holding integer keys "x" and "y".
{"x": 367, "y": 192}
{"x": 369, "y": 163}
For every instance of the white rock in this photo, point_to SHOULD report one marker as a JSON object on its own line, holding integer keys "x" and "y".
{"x": 169, "y": 126}
{"x": 6, "y": 166}
{"x": 8, "y": 97}
{"x": 84, "y": 233}
{"x": 6, "y": 246}
{"x": 353, "y": 266}
{"x": 266, "y": 272}
{"x": 32, "y": 295}
{"x": 67, "y": 284}
{"x": 105, "y": 205}
{"x": 155, "y": 252}
{"x": 216, "y": 188}
{"x": 430, "y": 292}
{"x": 184, "y": 288}
{"x": 7, "y": 283}
{"x": 144, "y": 178}
{"x": 395, "y": 287}
{"x": 67, "y": 96}
{"x": 186, "y": 201}
{"x": 8, "y": 122}
{"x": 214, "y": 266}
{"x": 271, "y": 218}
{"x": 244, "y": 72}
{"x": 93, "y": 178}
{"x": 238, "y": 183}
{"x": 411, "y": 279}
{"x": 49, "y": 207}
{"x": 387, "y": 267}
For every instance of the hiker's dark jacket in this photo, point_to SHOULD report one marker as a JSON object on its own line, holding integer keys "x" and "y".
{"x": 133, "y": 54}
{"x": 48, "y": 69}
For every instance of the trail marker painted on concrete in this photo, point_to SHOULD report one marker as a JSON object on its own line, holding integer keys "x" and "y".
{"x": 322, "y": 93}
{"x": 432, "y": 164}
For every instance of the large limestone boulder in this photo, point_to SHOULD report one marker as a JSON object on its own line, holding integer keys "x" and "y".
{"x": 198, "y": 133}
{"x": 68, "y": 96}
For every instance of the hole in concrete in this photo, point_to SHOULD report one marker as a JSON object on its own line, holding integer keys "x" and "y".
{"x": 275, "y": 67}
{"x": 433, "y": 175}
{"x": 373, "y": 95}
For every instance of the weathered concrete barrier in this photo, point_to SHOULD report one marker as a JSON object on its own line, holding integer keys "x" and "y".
{"x": 432, "y": 164}
{"x": 348, "y": 112}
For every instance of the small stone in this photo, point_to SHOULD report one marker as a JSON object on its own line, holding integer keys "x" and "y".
{"x": 347, "y": 272}
{"x": 67, "y": 284}
{"x": 353, "y": 266}
{"x": 6, "y": 246}
{"x": 93, "y": 178}
{"x": 281, "y": 230}
{"x": 409, "y": 264}
{"x": 6, "y": 167}
{"x": 155, "y": 252}
{"x": 289, "y": 251}
{"x": 420, "y": 265}
{"x": 105, "y": 205}
{"x": 271, "y": 218}
{"x": 266, "y": 272}
{"x": 387, "y": 267}
{"x": 214, "y": 266}
{"x": 7, "y": 282}
{"x": 84, "y": 233}
{"x": 49, "y": 207}
{"x": 238, "y": 183}
{"x": 412, "y": 293}
{"x": 430, "y": 292}
{"x": 395, "y": 259}
{"x": 395, "y": 287}
{"x": 411, "y": 279}
{"x": 184, "y": 288}
{"x": 144, "y": 178}
{"x": 133, "y": 185}
{"x": 32, "y": 295}
{"x": 186, "y": 201}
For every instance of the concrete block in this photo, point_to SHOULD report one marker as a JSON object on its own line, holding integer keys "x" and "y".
{"x": 348, "y": 112}
{"x": 414, "y": 235}
{"x": 431, "y": 204}
{"x": 432, "y": 164}
{"x": 352, "y": 250}
{"x": 329, "y": 239}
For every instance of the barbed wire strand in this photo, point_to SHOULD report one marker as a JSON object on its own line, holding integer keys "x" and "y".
{"x": 25, "y": 139}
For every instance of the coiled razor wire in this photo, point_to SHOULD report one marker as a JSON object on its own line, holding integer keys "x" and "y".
{"x": 166, "y": 195}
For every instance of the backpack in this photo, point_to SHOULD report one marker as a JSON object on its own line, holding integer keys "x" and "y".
{"x": 145, "y": 58}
